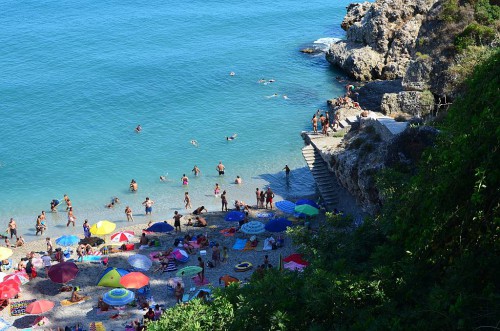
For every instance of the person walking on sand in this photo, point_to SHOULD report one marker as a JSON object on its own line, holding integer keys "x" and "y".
{"x": 201, "y": 274}
{"x": 148, "y": 204}
{"x": 314, "y": 122}
{"x": 196, "y": 170}
{"x": 187, "y": 201}
{"x": 257, "y": 196}
{"x": 128, "y": 212}
{"x": 179, "y": 292}
{"x": 71, "y": 217}
{"x": 224, "y": 200}
{"x": 220, "y": 168}
{"x": 12, "y": 228}
{"x": 216, "y": 254}
{"x": 177, "y": 221}
{"x": 269, "y": 197}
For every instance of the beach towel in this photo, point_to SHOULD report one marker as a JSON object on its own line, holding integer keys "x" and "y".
{"x": 19, "y": 308}
{"x": 194, "y": 244}
{"x": 228, "y": 232}
{"x": 265, "y": 215}
{"x": 249, "y": 246}
{"x": 4, "y": 325}
{"x": 97, "y": 326}
{"x": 196, "y": 279}
{"x": 65, "y": 303}
{"x": 171, "y": 266}
{"x": 268, "y": 244}
{"x": 240, "y": 244}
{"x": 90, "y": 258}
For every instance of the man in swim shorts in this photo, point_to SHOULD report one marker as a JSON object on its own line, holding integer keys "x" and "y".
{"x": 220, "y": 168}
{"x": 269, "y": 197}
{"x": 149, "y": 205}
{"x": 12, "y": 228}
{"x": 177, "y": 221}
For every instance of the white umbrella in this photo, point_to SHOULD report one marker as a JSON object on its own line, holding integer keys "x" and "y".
{"x": 253, "y": 227}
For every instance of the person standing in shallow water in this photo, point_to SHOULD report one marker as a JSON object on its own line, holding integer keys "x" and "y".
{"x": 257, "y": 196}
{"x": 187, "y": 200}
{"x": 224, "y": 200}
{"x": 71, "y": 217}
{"x": 128, "y": 212}
{"x": 148, "y": 204}
{"x": 220, "y": 168}
{"x": 196, "y": 170}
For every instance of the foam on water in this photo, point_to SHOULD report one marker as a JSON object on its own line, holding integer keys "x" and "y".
{"x": 77, "y": 78}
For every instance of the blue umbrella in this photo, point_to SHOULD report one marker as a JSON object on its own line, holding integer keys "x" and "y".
{"x": 139, "y": 261}
{"x": 160, "y": 227}
{"x": 285, "y": 206}
{"x": 307, "y": 202}
{"x": 278, "y": 225}
{"x": 67, "y": 240}
{"x": 118, "y": 297}
{"x": 235, "y": 216}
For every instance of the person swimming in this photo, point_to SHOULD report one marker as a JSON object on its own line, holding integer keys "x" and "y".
{"x": 194, "y": 143}
{"x": 272, "y": 96}
{"x": 138, "y": 128}
{"x": 232, "y": 137}
{"x": 285, "y": 97}
{"x": 232, "y": 73}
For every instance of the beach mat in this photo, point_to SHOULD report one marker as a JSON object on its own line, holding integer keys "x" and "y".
{"x": 228, "y": 232}
{"x": 19, "y": 308}
{"x": 97, "y": 326}
{"x": 248, "y": 246}
{"x": 4, "y": 325}
{"x": 240, "y": 244}
{"x": 196, "y": 279}
{"x": 66, "y": 303}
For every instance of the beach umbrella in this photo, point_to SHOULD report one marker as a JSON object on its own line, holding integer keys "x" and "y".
{"x": 285, "y": 206}
{"x": 307, "y": 210}
{"x": 294, "y": 266}
{"x": 278, "y": 225}
{"x": 8, "y": 289}
{"x": 253, "y": 227}
{"x": 134, "y": 280}
{"x": 235, "y": 216}
{"x": 297, "y": 258}
{"x": 188, "y": 271}
{"x": 67, "y": 240}
{"x": 122, "y": 236}
{"x": 102, "y": 228}
{"x": 118, "y": 297}
{"x": 20, "y": 277}
{"x": 111, "y": 277}
{"x": 227, "y": 279}
{"x": 162, "y": 227}
{"x": 5, "y": 253}
{"x": 39, "y": 307}
{"x": 63, "y": 272}
{"x": 307, "y": 202}
{"x": 139, "y": 261}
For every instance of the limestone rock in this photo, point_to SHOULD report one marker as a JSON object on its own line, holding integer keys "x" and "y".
{"x": 362, "y": 63}
{"x": 415, "y": 103}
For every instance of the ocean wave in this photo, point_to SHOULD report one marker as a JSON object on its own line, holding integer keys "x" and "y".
{"x": 326, "y": 41}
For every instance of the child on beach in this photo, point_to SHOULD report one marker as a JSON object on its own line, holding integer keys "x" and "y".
{"x": 216, "y": 189}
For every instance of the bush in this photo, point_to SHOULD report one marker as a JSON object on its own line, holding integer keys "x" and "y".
{"x": 474, "y": 35}
{"x": 486, "y": 13}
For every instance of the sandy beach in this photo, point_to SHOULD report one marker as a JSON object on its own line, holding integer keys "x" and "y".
{"x": 86, "y": 312}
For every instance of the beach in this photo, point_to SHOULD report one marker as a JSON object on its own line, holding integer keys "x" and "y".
{"x": 89, "y": 273}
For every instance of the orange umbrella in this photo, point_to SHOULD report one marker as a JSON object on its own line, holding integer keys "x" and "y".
{"x": 8, "y": 289}
{"x": 39, "y": 307}
{"x": 134, "y": 280}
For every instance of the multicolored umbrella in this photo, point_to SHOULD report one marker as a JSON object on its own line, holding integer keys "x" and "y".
{"x": 278, "y": 225}
{"x": 307, "y": 210}
{"x": 111, "y": 277}
{"x": 67, "y": 240}
{"x": 118, "y": 297}
{"x": 307, "y": 202}
{"x": 139, "y": 261}
{"x": 134, "y": 280}
{"x": 235, "y": 216}
{"x": 63, "y": 272}
{"x": 285, "y": 206}
{"x": 5, "y": 253}
{"x": 253, "y": 227}
{"x": 122, "y": 236}
{"x": 188, "y": 271}
{"x": 39, "y": 307}
{"x": 102, "y": 228}
{"x": 20, "y": 277}
{"x": 162, "y": 227}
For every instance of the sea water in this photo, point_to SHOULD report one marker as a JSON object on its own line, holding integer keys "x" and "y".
{"x": 77, "y": 77}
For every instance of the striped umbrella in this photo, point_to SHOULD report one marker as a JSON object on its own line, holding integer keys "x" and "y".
{"x": 253, "y": 227}
{"x": 118, "y": 297}
{"x": 285, "y": 206}
{"x": 122, "y": 236}
{"x": 139, "y": 261}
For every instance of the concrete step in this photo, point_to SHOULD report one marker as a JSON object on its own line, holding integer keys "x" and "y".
{"x": 343, "y": 124}
{"x": 352, "y": 120}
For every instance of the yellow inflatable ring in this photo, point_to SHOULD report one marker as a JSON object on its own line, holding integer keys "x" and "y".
{"x": 243, "y": 266}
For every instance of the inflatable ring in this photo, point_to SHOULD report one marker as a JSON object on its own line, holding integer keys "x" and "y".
{"x": 243, "y": 266}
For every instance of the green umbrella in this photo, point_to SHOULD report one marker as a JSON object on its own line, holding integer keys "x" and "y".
{"x": 188, "y": 271}
{"x": 306, "y": 210}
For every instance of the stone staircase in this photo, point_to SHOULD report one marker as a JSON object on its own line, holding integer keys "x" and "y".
{"x": 325, "y": 180}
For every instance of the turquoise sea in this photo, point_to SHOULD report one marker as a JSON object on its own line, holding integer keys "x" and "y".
{"x": 77, "y": 77}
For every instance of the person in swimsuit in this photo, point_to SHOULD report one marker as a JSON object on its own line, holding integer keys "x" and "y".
{"x": 199, "y": 210}
{"x": 196, "y": 170}
{"x": 287, "y": 170}
{"x": 232, "y": 137}
{"x": 220, "y": 168}
{"x": 216, "y": 189}
{"x": 12, "y": 228}
{"x": 148, "y": 204}
{"x": 187, "y": 200}
{"x": 138, "y": 128}
{"x": 133, "y": 185}
{"x": 269, "y": 197}
{"x": 71, "y": 217}
{"x": 128, "y": 212}
{"x": 262, "y": 198}
{"x": 177, "y": 221}
{"x": 314, "y": 122}
{"x": 86, "y": 229}
{"x": 184, "y": 179}
{"x": 224, "y": 201}
{"x": 257, "y": 196}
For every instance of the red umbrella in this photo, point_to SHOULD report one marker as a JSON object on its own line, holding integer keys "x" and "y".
{"x": 122, "y": 236}
{"x": 63, "y": 272}
{"x": 8, "y": 289}
{"x": 297, "y": 258}
{"x": 20, "y": 277}
{"x": 134, "y": 280}
{"x": 11, "y": 279}
{"x": 39, "y": 307}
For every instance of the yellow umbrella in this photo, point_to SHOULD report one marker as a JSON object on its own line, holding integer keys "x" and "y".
{"x": 5, "y": 253}
{"x": 102, "y": 228}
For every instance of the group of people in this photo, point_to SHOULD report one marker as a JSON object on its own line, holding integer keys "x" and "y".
{"x": 266, "y": 196}
{"x": 323, "y": 120}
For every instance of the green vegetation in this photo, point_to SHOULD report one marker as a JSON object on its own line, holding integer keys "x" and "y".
{"x": 474, "y": 34}
{"x": 427, "y": 262}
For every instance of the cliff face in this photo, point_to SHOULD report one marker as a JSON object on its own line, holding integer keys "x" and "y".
{"x": 380, "y": 39}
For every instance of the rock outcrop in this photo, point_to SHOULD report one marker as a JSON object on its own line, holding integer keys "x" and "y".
{"x": 380, "y": 38}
